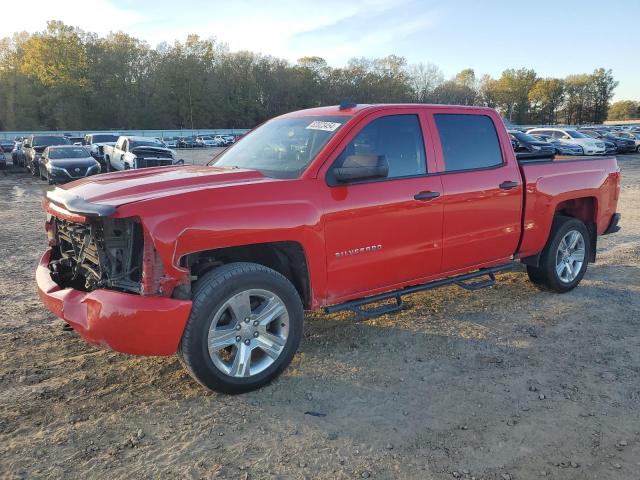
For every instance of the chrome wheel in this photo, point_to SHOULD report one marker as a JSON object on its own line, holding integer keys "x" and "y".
{"x": 570, "y": 256}
{"x": 248, "y": 333}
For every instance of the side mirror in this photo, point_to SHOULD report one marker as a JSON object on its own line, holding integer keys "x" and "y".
{"x": 361, "y": 167}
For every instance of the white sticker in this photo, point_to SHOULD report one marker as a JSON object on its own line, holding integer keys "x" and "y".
{"x": 326, "y": 126}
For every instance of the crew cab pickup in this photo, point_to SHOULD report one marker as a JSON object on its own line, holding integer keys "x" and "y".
{"x": 335, "y": 208}
{"x": 138, "y": 152}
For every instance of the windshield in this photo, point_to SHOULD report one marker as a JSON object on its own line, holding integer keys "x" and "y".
{"x": 45, "y": 141}
{"x": 141, "y": 143}
{"x": 105, "y": 138}
{"x": 576, "y": 134}
{"x": 283, "y": 147}
{"x": 70, "y": 152}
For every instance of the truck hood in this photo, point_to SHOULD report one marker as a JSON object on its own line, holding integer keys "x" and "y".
{"x": 102, "y": 194}
{"x": 150, "y": 150}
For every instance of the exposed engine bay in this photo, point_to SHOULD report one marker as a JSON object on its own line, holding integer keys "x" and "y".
{"x": 104, "y": 253}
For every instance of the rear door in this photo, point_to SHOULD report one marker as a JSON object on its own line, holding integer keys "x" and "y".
{"x": 382, "y": 232}
{"x": 482, "y": 189}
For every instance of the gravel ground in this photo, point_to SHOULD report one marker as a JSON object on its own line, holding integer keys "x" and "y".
{"x": 504, "y": 383}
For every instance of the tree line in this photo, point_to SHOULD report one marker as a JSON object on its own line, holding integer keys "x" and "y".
{"x": 64, "y": 78}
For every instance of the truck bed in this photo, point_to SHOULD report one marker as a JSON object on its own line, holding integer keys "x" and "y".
{"x": 586, "y": 187}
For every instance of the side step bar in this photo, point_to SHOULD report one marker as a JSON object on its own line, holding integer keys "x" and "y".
{"x": 462, "y": 281}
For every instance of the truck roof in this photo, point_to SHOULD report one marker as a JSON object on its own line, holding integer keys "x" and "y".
{"x": 141, "y": 139}
{"x": 335, "y": 110}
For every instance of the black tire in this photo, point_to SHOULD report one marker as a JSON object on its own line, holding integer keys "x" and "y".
{"x": 546, "y": 274}
{"x": 35, "y": 171}
{"x": 209, "y": 295}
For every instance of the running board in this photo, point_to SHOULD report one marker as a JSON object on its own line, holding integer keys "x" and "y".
{"x": 462, "y": 281}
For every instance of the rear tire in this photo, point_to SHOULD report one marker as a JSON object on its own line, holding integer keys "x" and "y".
{"x": 244, "y": 329}
{"x": 564, "y": 259}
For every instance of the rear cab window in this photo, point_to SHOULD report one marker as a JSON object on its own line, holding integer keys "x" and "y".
{"x": 469, "y": 142}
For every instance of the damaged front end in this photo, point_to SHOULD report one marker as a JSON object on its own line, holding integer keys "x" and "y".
{"x": 101, "y": 253}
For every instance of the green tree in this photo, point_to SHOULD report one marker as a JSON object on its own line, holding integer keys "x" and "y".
{"x": 546, "y": 97}
{"x": 513, "y": 93}
{"x": 624, "y": 110}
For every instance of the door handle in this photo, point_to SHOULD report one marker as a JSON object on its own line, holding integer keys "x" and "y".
{"x": 508, "y": 185}
{"x": 426, "y": 195}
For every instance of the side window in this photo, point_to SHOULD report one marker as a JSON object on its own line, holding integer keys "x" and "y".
{"x": 468, "y": 141}
{"x": 124, "y": 145}
{"x": 396, "y": 137}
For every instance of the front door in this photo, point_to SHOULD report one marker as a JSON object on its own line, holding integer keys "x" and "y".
{"x": 383, "y": 232}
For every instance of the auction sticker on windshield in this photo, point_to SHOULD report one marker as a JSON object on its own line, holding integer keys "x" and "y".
{"x": 326, "y": 126}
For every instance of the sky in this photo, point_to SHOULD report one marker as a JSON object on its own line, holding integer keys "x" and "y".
{"x": 555, "y": 38}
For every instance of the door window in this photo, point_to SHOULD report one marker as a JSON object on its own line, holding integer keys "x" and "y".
{"x": 396, "y": 137}
{"x": 469, "y": 142}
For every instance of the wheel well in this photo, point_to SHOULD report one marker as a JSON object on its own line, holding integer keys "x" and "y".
{"x": 585, "y": 210}
{"x": 287, "y": 258}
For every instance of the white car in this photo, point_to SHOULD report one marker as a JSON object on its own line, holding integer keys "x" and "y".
{"x": 206, "y": 141}
{"x": 590, "y": 145}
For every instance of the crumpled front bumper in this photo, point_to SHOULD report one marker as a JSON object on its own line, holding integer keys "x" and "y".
{"x": 123, "y": 322}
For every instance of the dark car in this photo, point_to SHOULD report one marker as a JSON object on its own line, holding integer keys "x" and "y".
{"x": 76, "y": 140}
{"x": 633, "y": 136}
{"x": 64, "y": 163}
{"x": 527, "y": 146}
{"x": 623, "y": 145}
{"x": 559, "y": 147}
{"x": 34, "y": 146}
{"x": 187, "y": 142}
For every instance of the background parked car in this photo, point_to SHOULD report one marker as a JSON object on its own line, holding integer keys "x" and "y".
{"x": 3, "y": 158}
{"x": 559, "y": 147}
{"x": 33, "y": 147}
{"x": 6, "y": 145}
{"x": 634, "y": 136}
{"x": 590, "y": 145}
{"x": 223, "y": 140}
{"x": 170, "y": 142}
{"x": 187, "y": 142}
{"x": 138, "y": 152}
{"x": 96, "y": 142}
{"x": 75, "y": 140}
{"x": 65, "y": 163}
{"x": 207, "y": 141}
{"x": 17, "y": 154}
{"x": 623, "y": 145}
{"x": 527, "y": 146}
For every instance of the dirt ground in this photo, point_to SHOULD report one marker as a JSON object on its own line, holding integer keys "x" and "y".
{"x": 504, "y": 383}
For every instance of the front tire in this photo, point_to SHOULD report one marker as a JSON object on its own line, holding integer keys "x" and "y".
{"x": 564, "y": 259}
{"x": 244, "y": 329}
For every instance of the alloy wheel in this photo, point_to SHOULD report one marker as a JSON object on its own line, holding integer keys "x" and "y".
{"x": 248, "y": 333}
{"x": 570, "y": 256}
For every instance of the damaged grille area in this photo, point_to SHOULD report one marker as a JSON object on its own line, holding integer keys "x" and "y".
{"x": 104, "y": 253}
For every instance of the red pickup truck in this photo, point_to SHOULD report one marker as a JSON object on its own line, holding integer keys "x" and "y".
{"x": 335, "y": 208}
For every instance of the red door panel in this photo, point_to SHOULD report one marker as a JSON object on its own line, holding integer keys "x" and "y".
{"x": 481, "y": 220}
{"x": 378, "y": 235}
